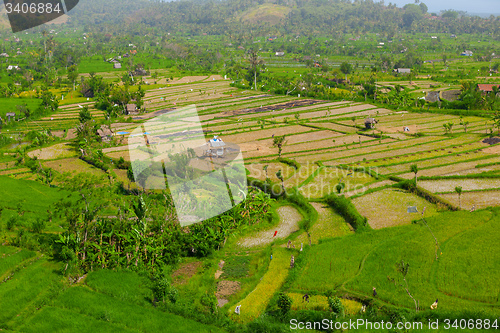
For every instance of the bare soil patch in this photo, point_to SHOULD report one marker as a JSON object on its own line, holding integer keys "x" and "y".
{"x": 268, "y": 108}
{"x": 225, "y": 289}
{"x": 492, "y": 141}
{"x": 185, "y": 272}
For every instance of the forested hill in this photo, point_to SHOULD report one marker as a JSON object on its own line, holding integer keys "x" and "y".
{"x": 247, "y": 17}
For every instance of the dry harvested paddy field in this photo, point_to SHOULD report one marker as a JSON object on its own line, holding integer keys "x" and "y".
{"x": 388, "y": 207}
{"x": 478, "y": 199}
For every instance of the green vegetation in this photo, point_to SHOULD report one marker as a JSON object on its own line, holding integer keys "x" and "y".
{"x": 362, "y": 118}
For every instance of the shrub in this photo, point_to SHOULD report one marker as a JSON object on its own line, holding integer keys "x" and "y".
{"x": 121, "y": 163}
{"x": 37, "y": 225}
{"x": 273, "y": 189}
{"x": 210, "y": 301}
{"x": 336, "y": 305}
{"x": 294, "y": 164}
{"x": 295, "y": 197}
{"x": 95, "y": 162}
{"x": 284, "y": 303}
{"x": 11, "y": 222}
{"x": 344, "y": 207}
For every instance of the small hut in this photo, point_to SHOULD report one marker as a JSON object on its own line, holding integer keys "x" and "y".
{"x": 215, "y": 147}
{"x": 105, "y": 133}
{"x": 370, "y": 123}
{"x": 131, "y": 108}
{"x": 10, "y": 114}
{"x": 117, "y": 65}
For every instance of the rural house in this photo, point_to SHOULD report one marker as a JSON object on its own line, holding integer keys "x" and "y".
{"x": 466, "y": 53}
{"x": 403, "y": 71}
{"x": 370, "y": 123}
{"x": 487, "y": 88}
{"x": 105, "y": 133}
{"x": 117, "y": 65}
{"x": 279, "y": 54}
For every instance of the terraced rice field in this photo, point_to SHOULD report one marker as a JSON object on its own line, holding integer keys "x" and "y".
{"x": 478, "y": 199}
{"x": 388, "y": 207}
{"x": 448, "y": 185}
{"x": 317, "y": 133}
{"x": 329, "y": 224}
{"x": 257, "y": 170}
{"x": 327, "y": 179}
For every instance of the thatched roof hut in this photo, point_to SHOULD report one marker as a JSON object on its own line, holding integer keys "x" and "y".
{"x": 105, "y": 133}
{"x": 130, "y": 108}
{"x": 370, "y": 123}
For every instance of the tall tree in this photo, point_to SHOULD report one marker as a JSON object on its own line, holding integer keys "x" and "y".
{"x": 346, "y": 68}
{"x": 414, "y": 169}
{"x": 73, "y": 75}
{"x": 279, "y": 141}
{"x": 255, "y": 62}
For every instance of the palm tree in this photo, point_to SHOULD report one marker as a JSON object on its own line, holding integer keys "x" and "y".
{"x": 255, "y": 62}
{"x": 414, "y": 169}
{"x": 448, "y": 128}
{"x": 265, "y": 169}
{"x": 464, "y": 124}
{"x": 279, "y": 141}
{"x": 458, "y": 189}
{"x": 44, "y": 34}
{"x": 279, "y": 175}
{"x": 496, "y": 122}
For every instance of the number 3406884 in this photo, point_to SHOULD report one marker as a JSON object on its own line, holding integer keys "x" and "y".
{"x": 33, "y": 8}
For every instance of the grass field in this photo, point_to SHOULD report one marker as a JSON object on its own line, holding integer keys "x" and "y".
{"x": 256, "y": 302}
{"x": 9, "y": 105}
{"x": 371, "y": 258}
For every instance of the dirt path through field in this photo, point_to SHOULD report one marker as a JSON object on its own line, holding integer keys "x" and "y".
{"x": 289, "y": 223}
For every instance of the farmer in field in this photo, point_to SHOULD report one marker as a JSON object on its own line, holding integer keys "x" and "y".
{"x": 305, "y": 298}
{"x": 434, "y": 305}
{"x": 374, "y": 292}
{"x": 292, "y": 262}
